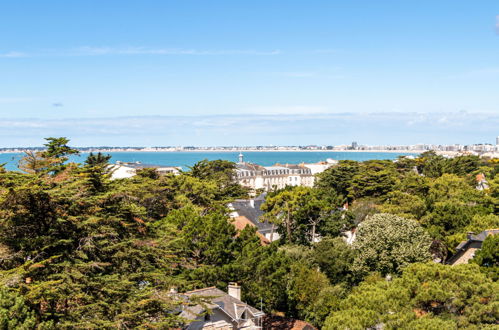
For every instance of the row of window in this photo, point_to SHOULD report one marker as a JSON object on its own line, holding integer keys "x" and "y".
{"x": 273, "y": 172}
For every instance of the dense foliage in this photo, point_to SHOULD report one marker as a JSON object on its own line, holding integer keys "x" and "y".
{"x": 429, "y": 296}
{"x": 79, "y": 250}
{"x": 387, "y": 243}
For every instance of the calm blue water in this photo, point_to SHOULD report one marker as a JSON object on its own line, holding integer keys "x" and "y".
{"x": 185, "y": 159}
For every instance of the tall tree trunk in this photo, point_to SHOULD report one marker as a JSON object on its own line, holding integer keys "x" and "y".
{"x": 313, "y": 231}
{"x": 288, "y": 223}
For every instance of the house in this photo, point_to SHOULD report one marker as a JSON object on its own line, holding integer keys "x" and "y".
{"x": 221, "y": 310}
{"x": 278, "y": 176}
{"x": 272, "y": 322}
{"x": 122, "y": 170}
{"x": 481, "y": 182}
{"x": 241, "y": 222}
{"x": 465, "y": 251}
{"x": 248, "y": 211}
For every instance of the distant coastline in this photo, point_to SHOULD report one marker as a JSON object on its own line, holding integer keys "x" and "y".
{"x": 413, "y": 150}
{"x": 85, "y": 150}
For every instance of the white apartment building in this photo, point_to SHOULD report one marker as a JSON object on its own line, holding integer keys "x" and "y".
{"x": 278, "y": 176}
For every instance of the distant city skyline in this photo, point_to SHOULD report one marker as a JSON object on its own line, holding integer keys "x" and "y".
{"x": 153, "y": 72}
{"x": 480, "y": 147}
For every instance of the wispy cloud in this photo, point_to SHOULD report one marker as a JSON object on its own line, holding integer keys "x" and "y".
{"x": 11, "y": 100}
{"x": 278, "y": 127}
{"x": 477, "y": 73}
{"x": 167, "y": 51}
{"x": 13, "y": 54}
{"x": 295, "y": 74}
{"x": 131, "y": 51}
{"x": 325, "y": 51}
{"x": 287, "y": 110}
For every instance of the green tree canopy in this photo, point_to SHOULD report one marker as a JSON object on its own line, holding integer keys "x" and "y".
{"x": 426, "y": 295}
{"x": 387, "y": 243}
{"x": 14, "y": 312}
{"x": 334, "y": 258}
{"x": 338, "y": 178}
{"x": 488, "y": 256}
{"x": 58, "y": 148}
{"x": 303, "y": 213}
{"x": 222, "y": 172}
{"x": 375, "y": 179}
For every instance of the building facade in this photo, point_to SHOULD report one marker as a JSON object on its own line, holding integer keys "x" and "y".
{"x": 122, "y": 170}
{"x": 278, "y": 176}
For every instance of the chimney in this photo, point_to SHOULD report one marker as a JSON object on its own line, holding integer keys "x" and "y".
{"x": 234, "y": 290}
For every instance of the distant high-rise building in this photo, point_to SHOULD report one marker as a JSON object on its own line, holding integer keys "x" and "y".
{"x": 354, "y": 145}
{"x": 497, "y": 141}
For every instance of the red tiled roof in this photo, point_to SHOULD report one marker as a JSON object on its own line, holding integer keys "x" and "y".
{"x": 272, "y": 322}
{"x": 241, "y": 222}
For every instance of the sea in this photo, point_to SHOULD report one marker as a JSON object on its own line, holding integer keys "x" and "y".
{"x": 188, "y": 159}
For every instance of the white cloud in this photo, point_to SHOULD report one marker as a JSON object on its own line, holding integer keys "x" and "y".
{"x": 325, "y": 51}
{"x": 167, "y": 51}
{"x": 13, "y": 54}
{"x": 278, "y": 126}
{"x": 287, "y": 110}
{"x": 10, "y": 100}
{"x": 296, "y": 74}
{"x": 130, "y": 51}
{"x": 477, "y": 73}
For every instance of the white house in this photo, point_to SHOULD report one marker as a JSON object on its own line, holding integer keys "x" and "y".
{"x": 222, "y": 311}
{"x": 249, "y": 209}
{"x": 122, "y": 170}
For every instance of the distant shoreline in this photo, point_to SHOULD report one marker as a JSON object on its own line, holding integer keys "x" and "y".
{"x": 490, "y": 154}
{"x": 224, "y": 150}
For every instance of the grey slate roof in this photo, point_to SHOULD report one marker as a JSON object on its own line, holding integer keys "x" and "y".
{"x": 477, "y": 238}
{"x": 252, "y": 211}
{"x": 472, "y": 239}
{"x": 249, "y": 167}
{"x": 218, "y": 299}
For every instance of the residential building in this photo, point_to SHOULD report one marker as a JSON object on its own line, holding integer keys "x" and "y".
{"x": 481, "y": 182}
{"x": 278, "y": 176}
{"x": 221, "y": 310}
{"x": 273, "y": 322}
{"x": 465, "y": 251}
{"x": 248, "y": 212}
{"x": 122, "y": 170}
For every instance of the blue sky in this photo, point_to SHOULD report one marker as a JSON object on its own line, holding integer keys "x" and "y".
{"x": 249, "y": 72}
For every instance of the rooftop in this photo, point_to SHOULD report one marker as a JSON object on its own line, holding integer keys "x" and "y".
{"x": 218, "y": 299}
{"x": 250, "y": 209}
{"x": 139, "y": 165}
